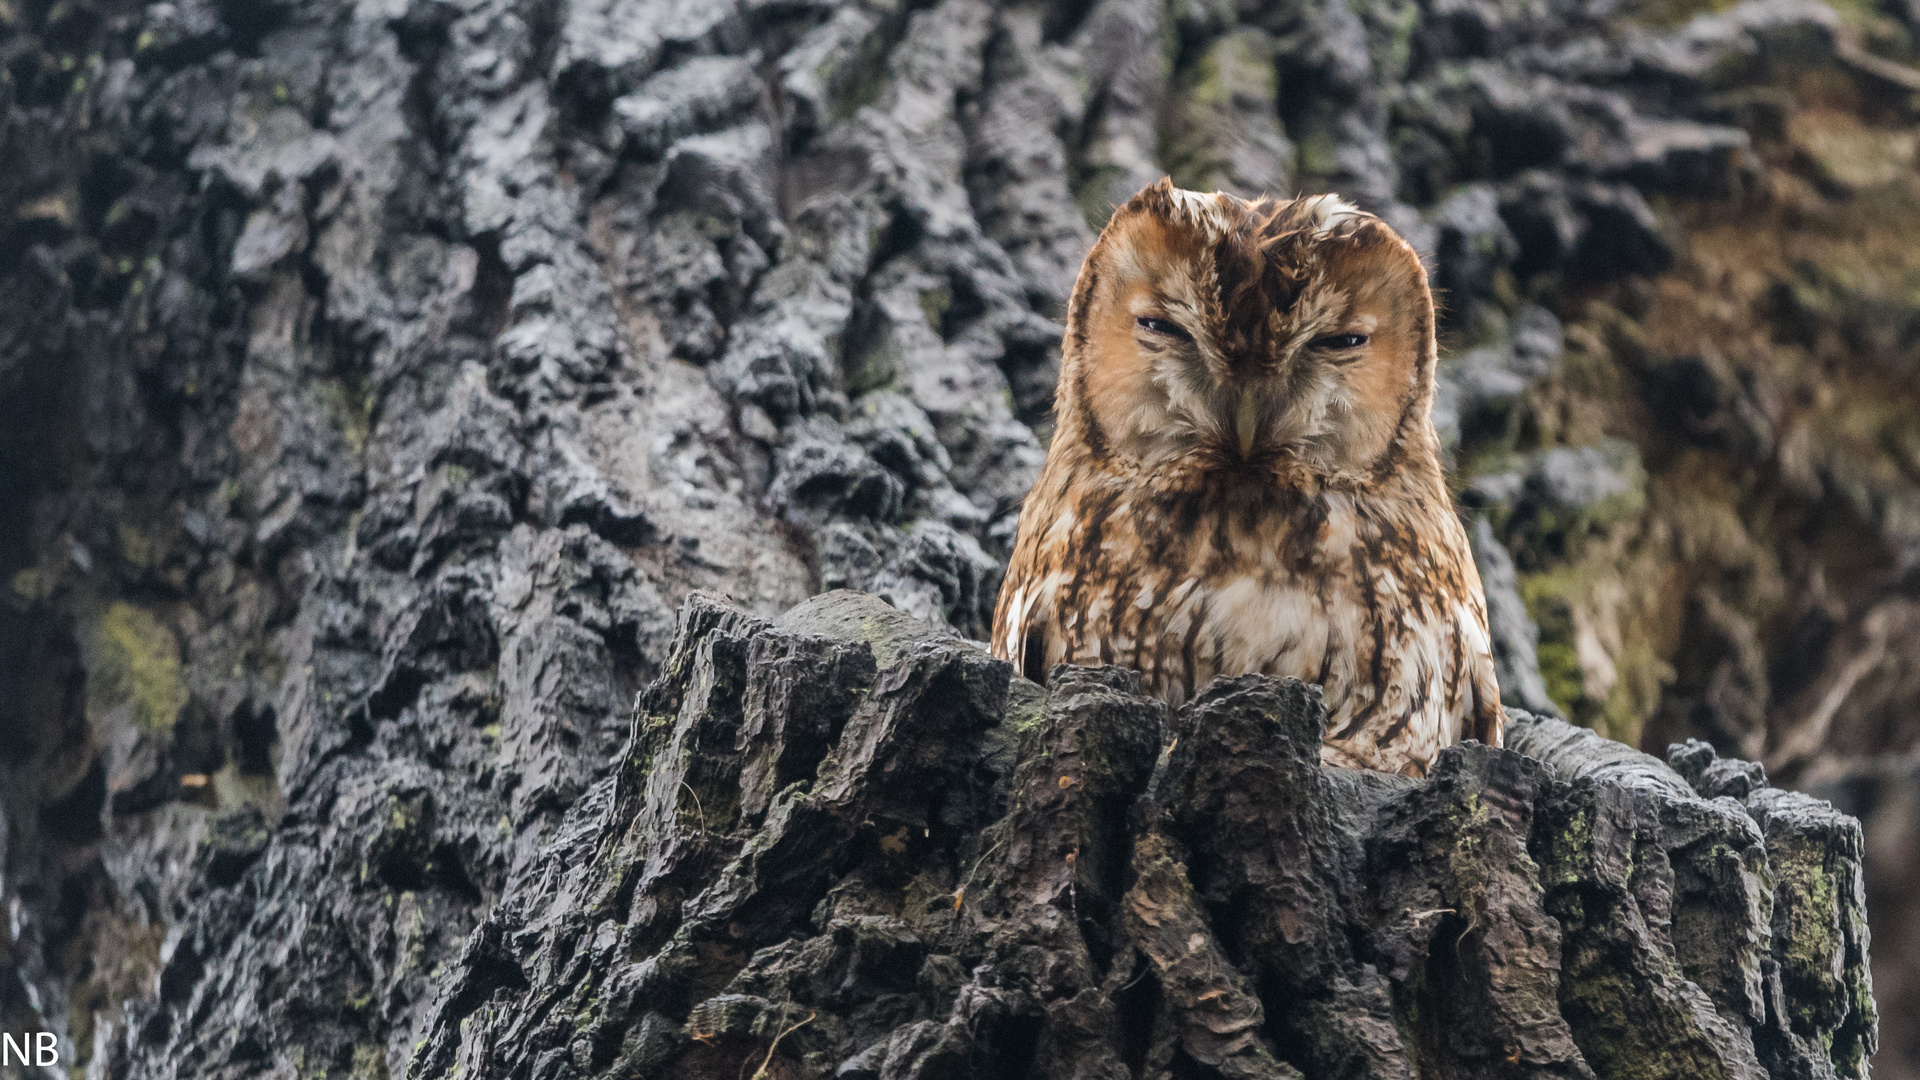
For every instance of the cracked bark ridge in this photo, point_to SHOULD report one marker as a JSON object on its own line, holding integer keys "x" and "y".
{"x": 844, "y": 843}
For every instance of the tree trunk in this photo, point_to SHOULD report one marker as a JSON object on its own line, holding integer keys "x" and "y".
{"x": 379, "y": 377}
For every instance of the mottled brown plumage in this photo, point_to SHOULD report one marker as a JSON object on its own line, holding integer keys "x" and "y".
{"x": 1244, "y": 476}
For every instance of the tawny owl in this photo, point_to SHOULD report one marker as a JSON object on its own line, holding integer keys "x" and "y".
{"x": 1244, "y": 477}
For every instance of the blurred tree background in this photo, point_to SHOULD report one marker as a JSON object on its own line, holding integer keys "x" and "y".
{"x": 376, "y": 376}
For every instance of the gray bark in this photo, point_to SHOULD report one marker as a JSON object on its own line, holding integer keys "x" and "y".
{"x": 845, "y": 844}
{"x": 379, "y": 377}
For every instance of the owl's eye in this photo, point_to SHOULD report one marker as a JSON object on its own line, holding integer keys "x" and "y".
{"x": 1340, "y": 342}
{"x": 1163, "y": 326}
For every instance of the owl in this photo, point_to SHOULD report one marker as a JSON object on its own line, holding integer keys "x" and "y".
{"x": 1244, "y": 477}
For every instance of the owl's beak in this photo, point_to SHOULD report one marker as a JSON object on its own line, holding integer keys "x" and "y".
{"x": 1246, "y": 422}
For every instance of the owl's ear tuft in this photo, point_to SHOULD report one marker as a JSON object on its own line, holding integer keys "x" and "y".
{"x": 1155, "y": 200}
{"x": 1207, "y": 214}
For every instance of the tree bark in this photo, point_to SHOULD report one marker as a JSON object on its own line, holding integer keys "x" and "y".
{"x": 845, "y": 844}
{"x": 378, "y": 378}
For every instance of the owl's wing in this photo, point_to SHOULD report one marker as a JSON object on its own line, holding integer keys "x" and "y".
{"x": 1019, "y": 629}
{"x": 1485, "y": 719}
{"x": 1488, "y": 721}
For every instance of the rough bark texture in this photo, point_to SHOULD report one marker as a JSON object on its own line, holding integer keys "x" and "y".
{"x": 845, "y": 844}
{"x": 378, "y": 377}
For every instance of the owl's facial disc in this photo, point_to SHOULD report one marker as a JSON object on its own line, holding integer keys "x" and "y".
{"x": 1214, "y": 330}
{"x": 1244, "y": 403}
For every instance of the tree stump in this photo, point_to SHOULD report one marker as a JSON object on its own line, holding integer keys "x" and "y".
{"x": 846, "y": 844}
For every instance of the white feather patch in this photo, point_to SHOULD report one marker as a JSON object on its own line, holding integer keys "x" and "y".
{"x": 1329, "y": 212}
{"x": 1200, "y": 212}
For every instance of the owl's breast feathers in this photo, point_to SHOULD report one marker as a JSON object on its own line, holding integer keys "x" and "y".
{"x": 1367, "y": 590}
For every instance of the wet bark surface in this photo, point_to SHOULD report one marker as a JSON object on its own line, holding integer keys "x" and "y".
{"x": 378, "y": 379}
{"x": 844, "y": 844}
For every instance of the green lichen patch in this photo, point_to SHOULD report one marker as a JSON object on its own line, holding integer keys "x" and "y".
{"x": 1606, "y": 628}
{"x": 136, "y": 660}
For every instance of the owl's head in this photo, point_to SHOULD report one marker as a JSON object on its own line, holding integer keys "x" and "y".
{"x": 1212, "y": 330}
